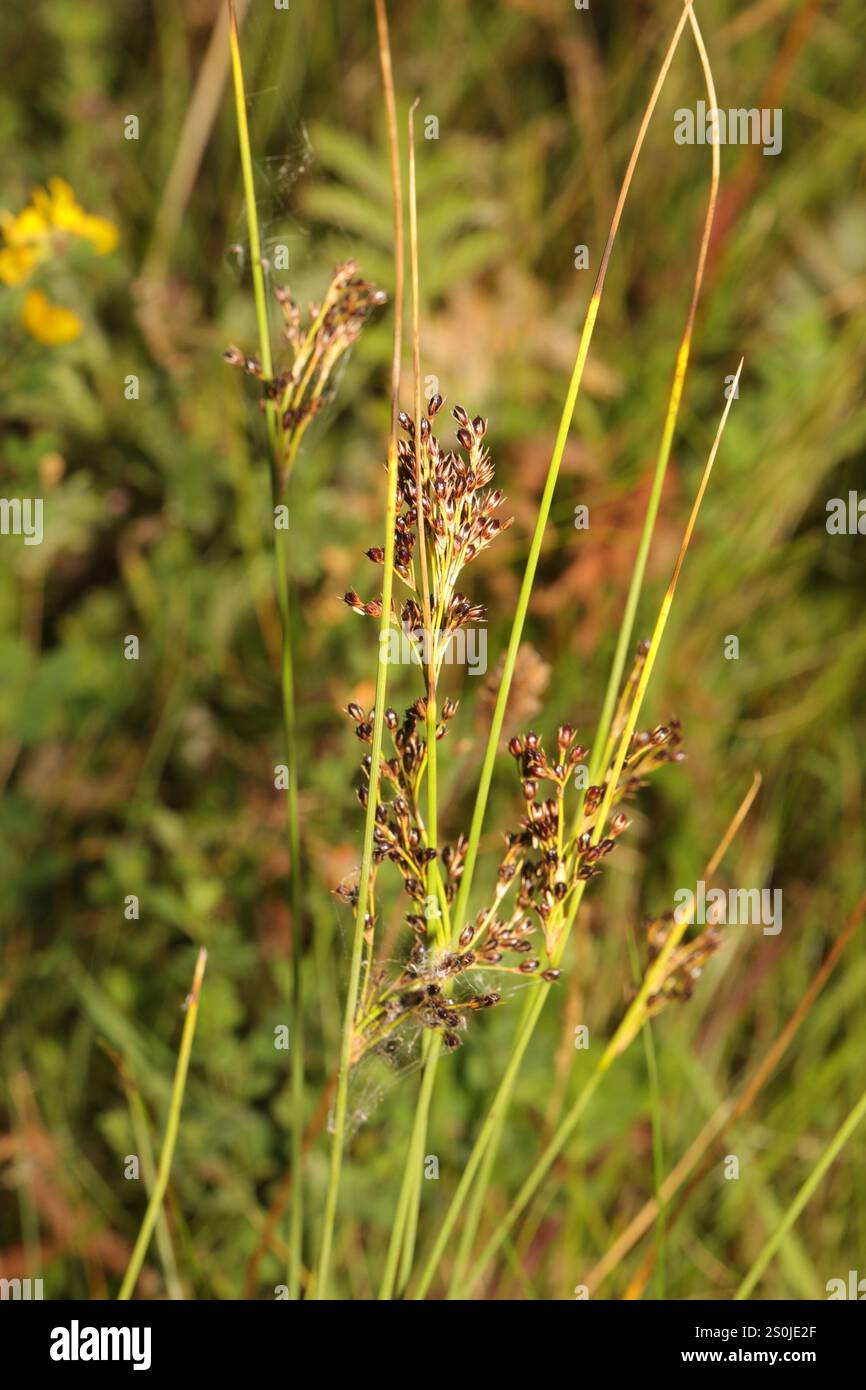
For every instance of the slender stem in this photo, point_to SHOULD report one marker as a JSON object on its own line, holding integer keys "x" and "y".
{"x": 658, "y": 1148}
{"x": 626, "y": 629}
{"x": 420, "y": 452}
{"x": 550, "y": 485}
{"x": 828, "y": 1157}
{"x": 405, "y": 1225}
{"x": 258, "y": 275}
{"x": 296, "y": 1041}
{"x": 340, "y": 1104}
{"x": 602, "y": 743}
{"x": 278, "y": 481}
{"x": 635, "y": 1015}
{"x": 401, "y": 1245}
{"x": 535, "y": 1002}
{"x": 154, "y": 1205}
{"x": 164, "y": 1245}
{"x": 728, "y": 1113}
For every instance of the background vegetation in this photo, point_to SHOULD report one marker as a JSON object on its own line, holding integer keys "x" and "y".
{"x": 155, "y": 777}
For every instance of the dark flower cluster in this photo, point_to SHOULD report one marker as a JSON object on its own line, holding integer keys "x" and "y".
{"x": 302, "y": 388}
{"x": 459, "y": 522}
{"x": 685, "y": 964}
{"x": 559, "y": 845}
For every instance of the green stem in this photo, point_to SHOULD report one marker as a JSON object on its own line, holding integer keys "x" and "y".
{"x": 340, "y": 1106}
{"x": 363, "y": 896}
{"x": 634, "y": 1017}
{"x": 600, "y": 749}
{"x": 140, "y": 1126}
{"x": 154, "y": 1205}
{"x": 296, "y": 1042}
{"x": 829, "y": 1156}
{"x": 531, "y": 1015}
{"x": 275, "y": 448}
{"x": 535, "y": 1003}
{"x": 401, "y": 1244}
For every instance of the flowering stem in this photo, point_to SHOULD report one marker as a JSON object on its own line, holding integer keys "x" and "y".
{"x": 340, "y": 1105}
{"x": 636, "y": 1014}
{"x": 278, "y": 479}
{"x": 535, "y": 1001}
{"x": 602, "y": 749}
{"x": 405, "y": 1227}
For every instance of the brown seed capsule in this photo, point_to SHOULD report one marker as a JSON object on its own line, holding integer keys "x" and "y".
{"x": 434, "y": 405}
{"x": 376, "y": 553}
{"x": 515, "y": 747}
{"x": 466, "y": 935}
{"x": 406, "y": 423}
{"x": 529, "y": 790}
{"x": 355, "y": 711}
{"x": 451, "y": 1041}
{"x": 550, "y": 975}
{"x": 460, "y": 415}
{"x": 529, "y": 967}
{"x": 465, "y": 438}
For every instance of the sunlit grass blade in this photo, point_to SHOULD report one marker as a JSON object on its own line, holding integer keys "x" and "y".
{"x": 154, "y": 1205}
{"x": 535, "y": 1001}
{"x": 712, "y": 1134}
{"x": 141, "y": 1132}
{"x": 805, "y": 1193}
{"x": 634, "y": 1018}
{"x": 339, "y": 1137}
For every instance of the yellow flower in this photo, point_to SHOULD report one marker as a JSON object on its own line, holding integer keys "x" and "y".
{"x": 30, "y": 236}
{"x": 49, "y": 323}
{"x": 59, "y": 209}
{"x": 16, "y": 263}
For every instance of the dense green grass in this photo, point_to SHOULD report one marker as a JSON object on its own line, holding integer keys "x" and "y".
{"x": 155, "y": 777}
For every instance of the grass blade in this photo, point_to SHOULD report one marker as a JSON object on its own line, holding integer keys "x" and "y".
{"x": 381, "y": 678}
{"x": 154, "y": 1205}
